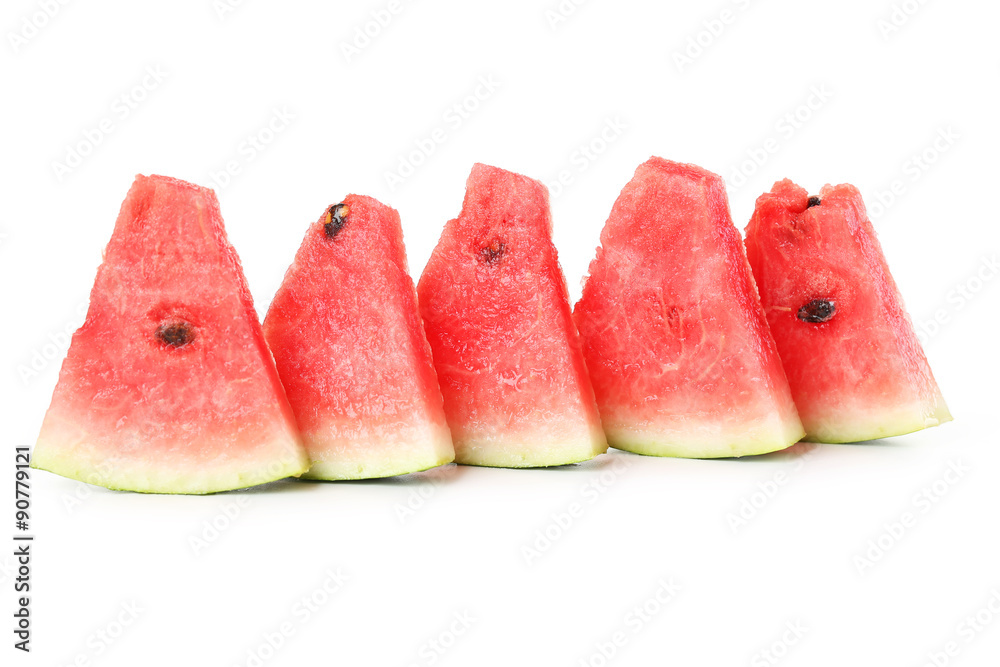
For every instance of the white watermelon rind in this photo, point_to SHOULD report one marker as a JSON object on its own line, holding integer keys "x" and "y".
{"x": 858, "y": 425}
{"x": 143, "y": 474}
{"x": 525, "y": 452}
{"x": 375, "y": 462}
{"x": 706, "y": 441}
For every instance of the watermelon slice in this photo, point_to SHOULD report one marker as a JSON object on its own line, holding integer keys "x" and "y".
{"x": 855, "y": 365}
{"x": 168, "y": 387}
{"x": 496, "y": 310}
{"x": 351, "y": 351}
{"x": 674, "y": 335}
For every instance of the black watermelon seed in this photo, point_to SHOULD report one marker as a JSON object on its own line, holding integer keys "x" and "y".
{"x": 336, "y": 216}
{"x": 492, "y": 253}
{"x": 817, "y": 311}
{"x": 813, "y": 201}
{"x": 175, "y": 334}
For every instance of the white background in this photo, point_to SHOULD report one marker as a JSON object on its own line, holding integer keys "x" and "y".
{"x": 885, "y": 99}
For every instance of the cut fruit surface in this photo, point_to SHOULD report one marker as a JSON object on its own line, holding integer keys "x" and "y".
{"x": 168, "y": 387}
{"x": 674, "y": 336}
{"x": 350, "y": 349}
{"x": 507, "y": 353}
{"x": 853, "y": 360}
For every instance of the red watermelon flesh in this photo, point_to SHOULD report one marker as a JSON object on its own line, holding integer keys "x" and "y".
{"x": 350, "y": 348}
{"x": 674, "y": 336}
{"x": 168, "y": 387}
{"x": 852, "y": 358}
{"x": 496, "y": 310}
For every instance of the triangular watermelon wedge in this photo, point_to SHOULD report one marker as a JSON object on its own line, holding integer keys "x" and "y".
{"x": 496, "y": 310}
{"x": 351, "y": 351}
{"x": 854, "y": 362}
{"x": 674, "y": 336}
{"x": 168, "y": 387}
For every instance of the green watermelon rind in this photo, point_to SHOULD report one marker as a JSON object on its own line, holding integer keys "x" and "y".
{"x": 880, "y": 425}
{"x": 158, "y": 482}
{"x": 529, "y": 463}
{"x": 688, "y": 451}
{"x": 530, "y": 455}
{"x": 373, "y": 466}
{"x": 709, "y": 447}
